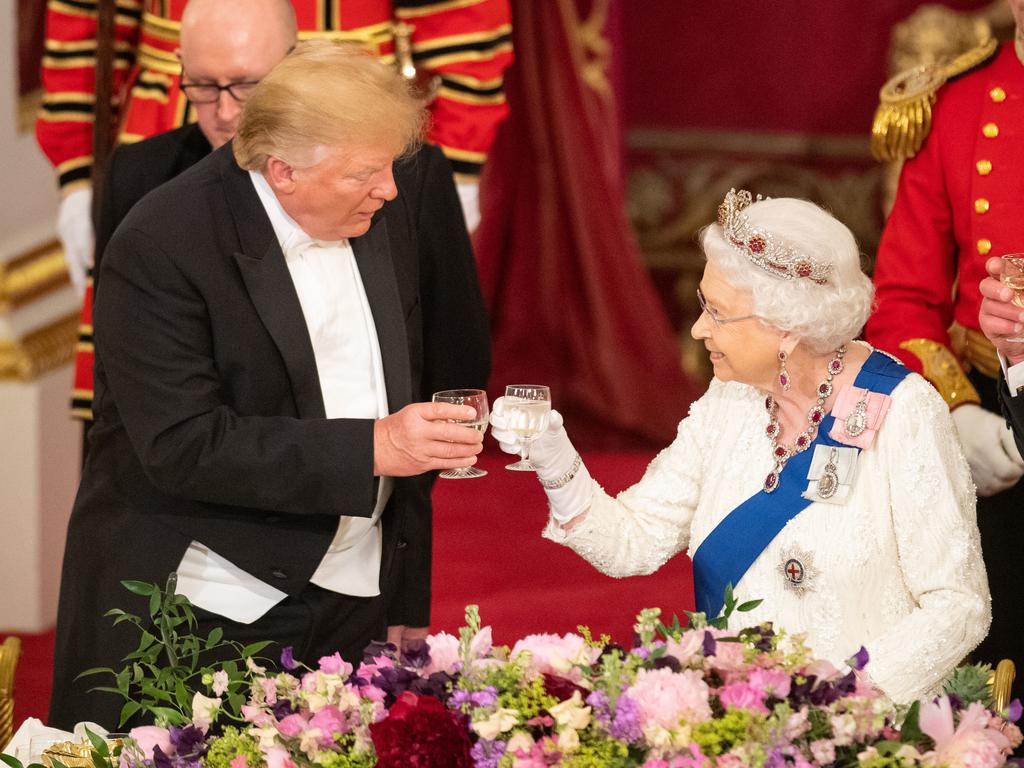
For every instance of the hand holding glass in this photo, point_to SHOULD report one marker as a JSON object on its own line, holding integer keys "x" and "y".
{"x": 1013, "y": 277}
{"x": 527, "y": 407}
{"x": 477, "y": 399}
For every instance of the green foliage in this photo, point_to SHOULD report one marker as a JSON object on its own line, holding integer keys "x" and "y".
{"x": 715, "y": 737}
{"x": 970, "y": 683}
{"x": 171, "y": 663}
{"x": 729, "y": 606}
{"x": 230, "y": 745}
{"x": 348, "y": 757}
{"x": 600, "y": 753}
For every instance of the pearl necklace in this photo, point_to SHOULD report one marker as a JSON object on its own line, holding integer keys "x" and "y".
{"x": 815, "y": 416}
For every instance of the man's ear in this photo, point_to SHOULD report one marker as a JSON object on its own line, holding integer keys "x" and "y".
{"x": 280, "y": 176}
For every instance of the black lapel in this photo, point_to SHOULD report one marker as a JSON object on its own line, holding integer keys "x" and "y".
{"x": 373, "y": 257}
{"x": 270, "y": 287}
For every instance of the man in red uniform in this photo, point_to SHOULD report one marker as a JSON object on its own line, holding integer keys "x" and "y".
{"x": 958, "y": 202}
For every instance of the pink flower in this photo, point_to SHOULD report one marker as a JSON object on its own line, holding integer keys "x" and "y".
{"x": 971, "y": 743}
{"x": 239, "y": 761}
{"x": 277, "y": 757}
{"x": 728, "y": 655}
{"x": 771, "y": 682}
{"x": 686, "y": 648}
{"x": 292, "y": 725}
{"x": 742, "y": 696}
{"x": 367, "y": 671}
{"x": 150, "y": 736}
{"x": 269, "y": 687}
{"x": 824, "y": 751}
{"x": 331, "y": 721}
{"x": 444, "y": 653}
{"x": 797, "y": 725}
{"x": 335, "y": 665}
{"x": 220, "y": 682}
{"x": 257, "y": 715}
{"x": 556, "y": 655}
{"x": 665, "y": 698}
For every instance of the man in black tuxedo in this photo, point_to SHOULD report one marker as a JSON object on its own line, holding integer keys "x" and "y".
{"x": 263, "y": 324}
{"x": 1002, "y": 321}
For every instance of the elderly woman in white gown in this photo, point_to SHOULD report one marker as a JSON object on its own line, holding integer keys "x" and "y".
{"x": 815, "y": 473}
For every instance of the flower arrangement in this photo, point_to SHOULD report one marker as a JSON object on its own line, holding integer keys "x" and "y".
{"x": 699, "y": 696}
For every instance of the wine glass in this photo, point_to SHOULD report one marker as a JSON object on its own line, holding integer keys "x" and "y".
{"x": 1013, "y": 277}
{"x": 528, "y": 410}
{"x": 476, "y": 398}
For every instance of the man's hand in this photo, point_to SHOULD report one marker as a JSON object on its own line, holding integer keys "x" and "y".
{"x": 403, "y": 637}
{"x": 995, "y": 462}
{"x": 1001, "y": 321}
{"x": 74, "y": 228}
{"x": 422, "y": 437}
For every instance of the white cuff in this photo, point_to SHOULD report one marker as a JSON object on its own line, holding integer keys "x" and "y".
{"x": 573, "y": 498}
{"x": 1013, "y": 374}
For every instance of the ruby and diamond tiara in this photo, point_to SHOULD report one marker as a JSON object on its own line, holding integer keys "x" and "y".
{"x": 762, "y": 248}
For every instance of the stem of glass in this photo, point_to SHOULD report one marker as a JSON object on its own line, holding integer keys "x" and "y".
{"x": 524, "y": 449}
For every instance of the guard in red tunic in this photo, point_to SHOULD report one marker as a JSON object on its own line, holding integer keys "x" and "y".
{"x": 960, "y": 129}
{"x": 459, "y": 48}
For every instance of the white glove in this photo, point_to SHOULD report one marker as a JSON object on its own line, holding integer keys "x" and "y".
{"x": 469, "y": 196}
{"x": 996, "y": 464}
{"x": 74, "y": 228}
{"x": 554, "y": 456}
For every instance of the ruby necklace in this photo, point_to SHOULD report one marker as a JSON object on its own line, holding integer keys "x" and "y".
{"x": 815, "y": 416}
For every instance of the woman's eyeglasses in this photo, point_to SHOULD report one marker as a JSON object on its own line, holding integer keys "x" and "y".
{"x": 717, "y": 319}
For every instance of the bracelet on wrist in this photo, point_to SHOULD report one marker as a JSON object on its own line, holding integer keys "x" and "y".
{"x": 565, "y": 478}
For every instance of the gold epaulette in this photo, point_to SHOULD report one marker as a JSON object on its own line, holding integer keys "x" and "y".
{"x": 942, "y": 369}
{"x": 904, "y": 115}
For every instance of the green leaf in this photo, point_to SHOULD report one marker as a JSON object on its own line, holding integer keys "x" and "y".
{"x": 98, "y": 742}
{"x": 910, "y": 731}
{"x": 127, "y": 711}
{"x": 215, "y": 636}
{"x": 749, "y": 605}
{"x": 143, "y": 588}
{"x": 253, "y": 648}
{"x": 13, "y": 762}
{"x": 94, "y": 671}
{"x": 154, "y": 604}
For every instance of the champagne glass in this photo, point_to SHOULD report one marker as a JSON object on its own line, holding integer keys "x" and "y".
{"x": 528, "y": 410}
{"x": 1013, "y": 277}
{"x": 477, "y": 399}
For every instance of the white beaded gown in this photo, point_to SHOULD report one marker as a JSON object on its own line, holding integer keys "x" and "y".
{"x": 897, "y": 569}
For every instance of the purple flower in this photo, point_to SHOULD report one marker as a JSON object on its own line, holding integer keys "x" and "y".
{"x": 287, "y": 659}
{"x": 160, "y": 760}
{"x": 626, "y": 723}
{"x": 282, "y": 708}
{"x": 487, "y": 754}
{"x": 600, "y": 709}
{"x": 188, "y": 741}
{"x": 416, "y": 655}
{"x": 1015, "y": 711}
{"x": 859, "y": 659}
{"x": 709, "y": 645}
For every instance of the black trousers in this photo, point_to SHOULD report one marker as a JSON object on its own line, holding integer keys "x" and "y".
{"x": 1001, "y": 522}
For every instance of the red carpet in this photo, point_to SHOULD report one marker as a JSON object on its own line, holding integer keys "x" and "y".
{"x": 488, "y": 550}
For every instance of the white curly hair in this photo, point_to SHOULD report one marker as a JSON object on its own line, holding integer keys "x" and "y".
{"x": 823, "y": 316}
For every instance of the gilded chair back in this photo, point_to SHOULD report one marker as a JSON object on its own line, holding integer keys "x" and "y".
{"x": 9, "y": 652}
{"x": 1002, "y": 684}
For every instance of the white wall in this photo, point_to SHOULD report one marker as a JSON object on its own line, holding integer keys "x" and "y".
{"x": 39, "y": 444}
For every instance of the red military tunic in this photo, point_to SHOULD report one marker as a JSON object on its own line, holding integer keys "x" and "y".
{"x": 958, "y": 203}
{"x": 466, "y": 43}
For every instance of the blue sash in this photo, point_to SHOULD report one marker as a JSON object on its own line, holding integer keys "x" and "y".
{"x": 737, "y": 541}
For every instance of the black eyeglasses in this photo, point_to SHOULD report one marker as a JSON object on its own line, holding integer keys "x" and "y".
{"x": 207, "y": 93}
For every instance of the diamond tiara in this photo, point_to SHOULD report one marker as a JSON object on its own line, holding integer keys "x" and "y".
{"x": 762, "y": 248}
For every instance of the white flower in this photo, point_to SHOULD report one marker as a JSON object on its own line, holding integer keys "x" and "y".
{"x": 253, "y": 667}
{"x": 220, "y": 682}
{"x": 568, "y": 740}
{"x": 204, "y": 711}
{"x": 500, "y": 721}
{"x": 571, "y": 713}
{"x": 844, "y": 727}
{"x": 519, "y": 741}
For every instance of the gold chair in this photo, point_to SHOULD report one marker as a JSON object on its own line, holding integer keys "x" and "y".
{"x": 1001, "y": 683}
{"x": 9, "y": 652}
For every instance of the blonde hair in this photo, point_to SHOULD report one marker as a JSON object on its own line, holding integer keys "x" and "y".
{"x": 823, "y": 316}
{"x": 327, "y": 94}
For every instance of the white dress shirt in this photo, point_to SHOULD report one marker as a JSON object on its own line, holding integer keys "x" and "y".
{"x": 348, "y": 361}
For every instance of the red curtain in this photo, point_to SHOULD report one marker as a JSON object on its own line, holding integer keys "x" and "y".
{"x": 570, "y": 299}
